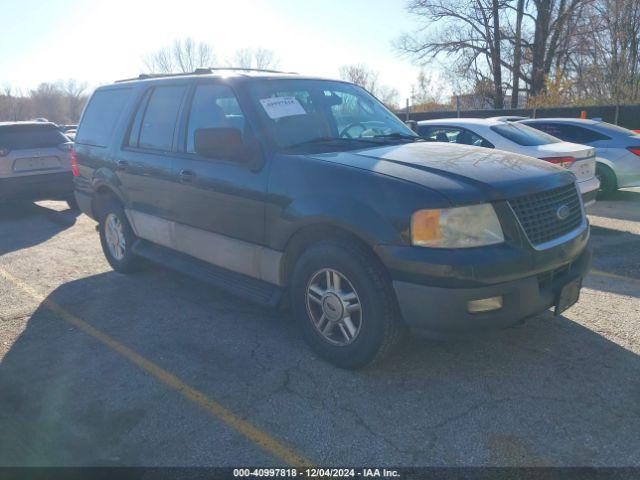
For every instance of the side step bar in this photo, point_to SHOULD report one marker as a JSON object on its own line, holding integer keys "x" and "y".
{"x": 237, "y": 284}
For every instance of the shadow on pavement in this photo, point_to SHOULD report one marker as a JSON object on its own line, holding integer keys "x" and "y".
{"x": 621, "y": 205}
{"x": 24, "y": 225}
{"x": 551, "y": 392}
{"x": 618, "y": 253}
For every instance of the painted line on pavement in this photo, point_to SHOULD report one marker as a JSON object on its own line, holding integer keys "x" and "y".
{"x": 270, "y": 444}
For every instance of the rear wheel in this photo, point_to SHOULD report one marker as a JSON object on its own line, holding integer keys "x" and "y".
{"x": 608, "y": 181}
{"x": 117, "y": 237}
{"x": 343, "y": 300}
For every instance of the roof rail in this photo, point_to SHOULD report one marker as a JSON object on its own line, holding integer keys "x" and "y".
{"x": 199, "y": 71}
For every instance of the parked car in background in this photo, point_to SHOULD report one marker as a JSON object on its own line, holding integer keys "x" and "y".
{"x": 35, "y": 162}
{"x": 617, "y": 148}
{"x": 518, "y": 138}
{"x": 71, "y": 134}
{"x": 274, "y": 186}
{"x": 508, "y": 118}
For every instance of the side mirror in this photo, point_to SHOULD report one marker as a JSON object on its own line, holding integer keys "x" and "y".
{"x": 223, "y": 143}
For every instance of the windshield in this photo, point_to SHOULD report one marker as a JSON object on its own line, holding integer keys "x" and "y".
{"x": 524, "y": 135}
{"x": 325, "y": 114}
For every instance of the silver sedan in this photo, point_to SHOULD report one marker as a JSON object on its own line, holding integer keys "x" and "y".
{"x": 617, "y": 148}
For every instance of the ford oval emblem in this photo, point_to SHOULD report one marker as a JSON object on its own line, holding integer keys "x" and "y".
{"x": 563, "y": 212}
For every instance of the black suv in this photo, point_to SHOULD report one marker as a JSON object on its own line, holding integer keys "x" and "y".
{"x": 281, "y": 187}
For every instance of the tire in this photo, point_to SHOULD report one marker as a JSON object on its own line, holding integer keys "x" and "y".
{"x": 73, "y": 204}
{"x": 121, "y": 259}
{"x": 378, "y": 324}
{"x": 608, "y": 181}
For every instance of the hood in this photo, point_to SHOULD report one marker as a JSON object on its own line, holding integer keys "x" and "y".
{"x": 463, "y": 174}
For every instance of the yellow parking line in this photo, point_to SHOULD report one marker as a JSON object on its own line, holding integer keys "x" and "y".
{"x": 623, "y": 278}
{"x": 253, "y": 433}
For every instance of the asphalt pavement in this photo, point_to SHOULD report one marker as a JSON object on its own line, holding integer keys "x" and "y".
{"x": 157, "y": 369}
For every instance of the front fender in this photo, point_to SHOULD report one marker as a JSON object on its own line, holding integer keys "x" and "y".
{"x": 343, "y": 212}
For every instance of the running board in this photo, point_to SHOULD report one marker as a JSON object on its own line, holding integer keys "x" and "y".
{"x": 237, "y": 284}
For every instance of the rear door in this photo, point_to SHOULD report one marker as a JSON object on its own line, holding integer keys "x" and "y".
{"x": 144, "y": 163}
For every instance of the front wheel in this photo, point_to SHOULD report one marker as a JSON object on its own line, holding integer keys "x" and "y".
{"x": 117, "y": 238}
{"x": 343, "y": 300}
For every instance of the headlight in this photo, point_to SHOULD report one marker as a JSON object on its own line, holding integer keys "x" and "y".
{"x": 460, "y": 227}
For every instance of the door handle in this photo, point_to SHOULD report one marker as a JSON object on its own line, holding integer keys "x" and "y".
{"x": 122, "y": 164}
{"x": 187, "y": 176}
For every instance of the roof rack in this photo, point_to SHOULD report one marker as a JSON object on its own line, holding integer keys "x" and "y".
{"x": 199, "y": 71}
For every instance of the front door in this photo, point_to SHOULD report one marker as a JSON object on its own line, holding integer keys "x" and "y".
{"x": 221, "y": 202}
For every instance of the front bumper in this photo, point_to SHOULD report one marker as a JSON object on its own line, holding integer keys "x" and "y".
{"x": 48, "y": 186}
{"x": 443, "y": 312}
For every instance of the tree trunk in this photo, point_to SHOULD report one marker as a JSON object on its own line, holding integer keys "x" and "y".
{"x": 541, "y": 36}
{"x": 517, "y": 55}
{"x": 496, "y": 56}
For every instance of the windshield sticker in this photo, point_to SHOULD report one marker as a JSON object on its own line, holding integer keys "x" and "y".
{"x": 278, "y": 107}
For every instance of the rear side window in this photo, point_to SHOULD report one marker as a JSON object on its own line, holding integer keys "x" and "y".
{"x": 570, "y": 133}
{"x": 101, "y": 116}
{"x": 158, "y": 124}
{"x": 18, "y": 137}
{"x": 453, "y": 135}
{"x": 523, "y": 134}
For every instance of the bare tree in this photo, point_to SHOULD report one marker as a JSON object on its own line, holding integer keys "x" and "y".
{"x": 360, "y": 75}
{"x": 467, "y": 30}
{"x": 60, "y": 102}
{"x": 75, "y": 97}
{"x": 260, "y": 58}
{"x": 517, "y": 54}
{"x": 367, "y": 78}
{"x": 425, "y": 93}
{"x": 389, "y": 96}
{"x": 184, "y": 56}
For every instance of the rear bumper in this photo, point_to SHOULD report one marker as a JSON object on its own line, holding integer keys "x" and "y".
{"x": 443, "y": 312}
{"x": 50, "y": 186}
{"x": 589, "y": 190}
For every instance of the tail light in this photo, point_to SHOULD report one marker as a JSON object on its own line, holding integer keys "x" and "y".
{"x": 74, "y": 162}
{"x": 4, "y": 152}
{"x": 634, "y": 150}
{"x": 562, "y": 161}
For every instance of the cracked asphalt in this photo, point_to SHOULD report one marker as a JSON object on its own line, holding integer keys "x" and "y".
{"x": 557, "y": 391}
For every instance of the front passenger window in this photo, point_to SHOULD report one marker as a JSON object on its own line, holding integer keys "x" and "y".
{"x": 213, "y": 106}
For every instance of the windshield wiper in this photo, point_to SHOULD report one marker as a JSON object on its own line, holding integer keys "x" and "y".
{"x": 320, "y": 140}
{"x": 400, "y": 136}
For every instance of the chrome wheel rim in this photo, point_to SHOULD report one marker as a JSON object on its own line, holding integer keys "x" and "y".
{"x": 114, "y": 236}
{"x": 334, "y": 307}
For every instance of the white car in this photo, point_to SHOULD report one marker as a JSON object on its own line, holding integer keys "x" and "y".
{"x": 519, "y": 138}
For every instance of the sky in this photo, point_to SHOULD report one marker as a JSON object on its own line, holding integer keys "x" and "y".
{"x": 98, "y": 42}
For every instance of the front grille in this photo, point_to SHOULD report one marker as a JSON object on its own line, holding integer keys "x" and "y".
{"x": 538, "y": 216}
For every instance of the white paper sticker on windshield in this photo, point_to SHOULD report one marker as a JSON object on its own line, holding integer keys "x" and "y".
{"x": 278, "y": 107}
